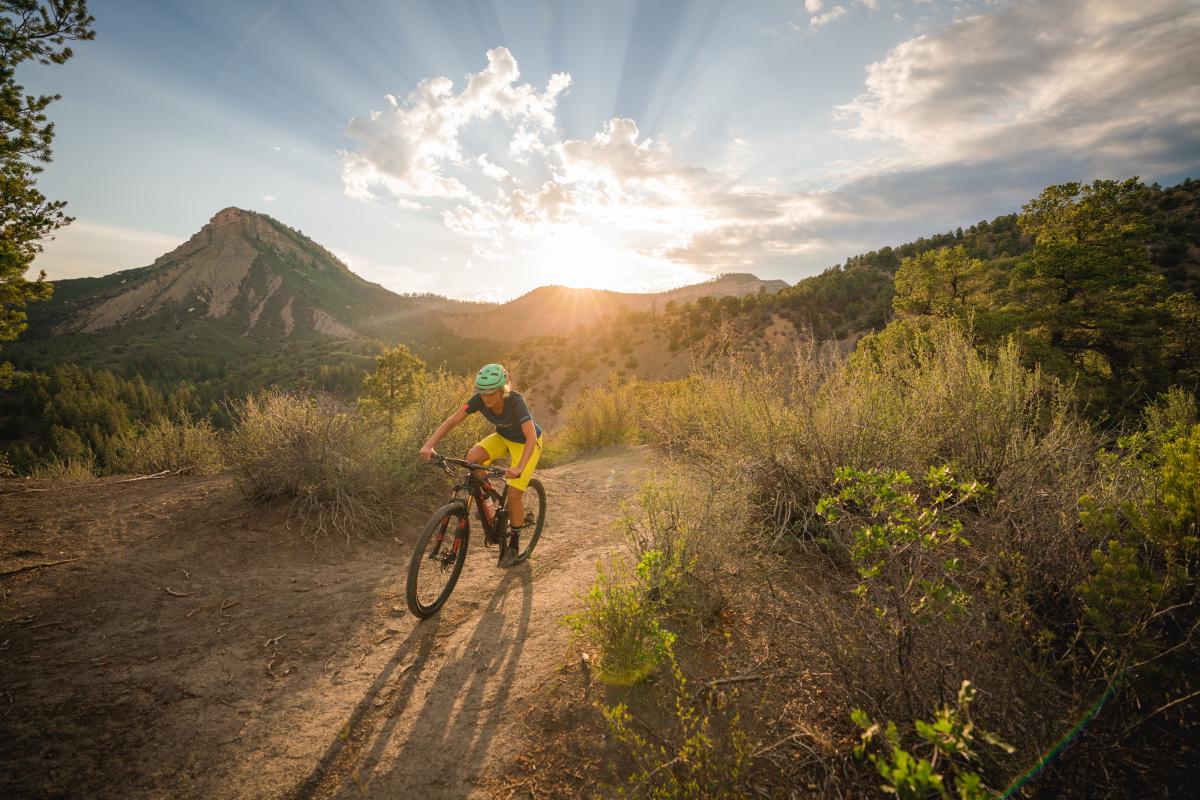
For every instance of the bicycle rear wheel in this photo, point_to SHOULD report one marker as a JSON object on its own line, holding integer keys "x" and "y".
{"x": 437, "y": 560}
{"x": 535, "y": 517}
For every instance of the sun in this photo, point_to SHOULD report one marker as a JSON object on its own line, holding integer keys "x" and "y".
{"x": 581, "y": 258}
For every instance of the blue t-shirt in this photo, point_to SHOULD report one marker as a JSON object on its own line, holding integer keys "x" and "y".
{"x": 508, "y": 422}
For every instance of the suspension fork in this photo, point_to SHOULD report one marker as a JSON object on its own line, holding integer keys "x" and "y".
{"x": 460, "y": 534}
{"x": 460, "y": 530}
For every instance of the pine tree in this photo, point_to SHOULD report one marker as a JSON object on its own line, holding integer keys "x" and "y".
{"x": 38, "y": 31}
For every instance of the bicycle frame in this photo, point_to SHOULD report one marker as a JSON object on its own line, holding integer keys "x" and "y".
{"x": 473, "y": 485}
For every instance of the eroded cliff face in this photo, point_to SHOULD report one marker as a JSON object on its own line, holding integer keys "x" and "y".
{"x": 213, "y": 275}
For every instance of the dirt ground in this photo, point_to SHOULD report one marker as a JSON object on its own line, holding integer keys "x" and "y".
{"x": 166, "y": 638}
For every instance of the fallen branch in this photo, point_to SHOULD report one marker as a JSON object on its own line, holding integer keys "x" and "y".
{"x": 230, "y": 603}
{"x": 174, "y": 593}
{"x": 743, "y": 679}
{"x": 766, "y": 676}
{"x": 162, "y": 474}
{"x": 791, "y": 737}
{"x": 47, "y": 625}
{"x": 39, "y": 566}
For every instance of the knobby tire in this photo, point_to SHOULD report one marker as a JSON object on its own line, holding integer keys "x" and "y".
{"x": 535, "y": 488}
{"x": 455, "y": 511}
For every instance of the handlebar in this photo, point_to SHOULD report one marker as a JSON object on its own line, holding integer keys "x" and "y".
{"x": 446, "y": 462}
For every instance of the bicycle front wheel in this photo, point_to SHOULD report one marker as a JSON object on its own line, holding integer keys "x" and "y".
{"x": 438, "y": 560}
{"x": 535, "y": 518}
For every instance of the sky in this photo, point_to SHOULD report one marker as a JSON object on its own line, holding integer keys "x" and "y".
{"x": 481, "y": 149}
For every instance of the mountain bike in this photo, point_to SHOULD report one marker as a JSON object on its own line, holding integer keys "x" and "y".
{"x": 442, "y": 549}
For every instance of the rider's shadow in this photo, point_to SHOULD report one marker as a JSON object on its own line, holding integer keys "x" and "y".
{"x": 409, "y": 659}
{"x": 449, "y": 735}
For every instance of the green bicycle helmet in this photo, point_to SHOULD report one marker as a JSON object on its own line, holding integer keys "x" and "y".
{"x": 490, "y": 377}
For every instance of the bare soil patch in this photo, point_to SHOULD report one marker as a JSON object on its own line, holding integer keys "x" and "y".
{"x": 167, "y": 638}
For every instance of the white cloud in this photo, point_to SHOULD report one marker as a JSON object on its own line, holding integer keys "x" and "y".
{"x": 1101, "y": 76}
{"x": 617, "y": 183}
{"x": 86, "y": 248}
{"x": 873, "y": 5}
{"x": 493, "y": 171}
{"x": 268, "y": 198}
{"x": 813, "y": 6}
{"x": 829, "y": 16}
{"x": 404, "y": 149}
{"x": 970, "y": 117}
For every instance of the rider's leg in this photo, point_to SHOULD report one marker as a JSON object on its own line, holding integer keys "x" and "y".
{"x": 486, "y": 451}
{"x": 516, "y": 506}
{"x": 516, "y": 488}
{"x": 478, "y": 455}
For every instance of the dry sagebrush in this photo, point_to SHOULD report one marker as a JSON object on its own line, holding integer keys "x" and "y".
{"x": 173, "y": 445}
{"x": 345, "y": 469}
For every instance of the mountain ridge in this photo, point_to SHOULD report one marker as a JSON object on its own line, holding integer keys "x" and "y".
{"x": 246, "y": 288}
{"x": 558, "y": 310}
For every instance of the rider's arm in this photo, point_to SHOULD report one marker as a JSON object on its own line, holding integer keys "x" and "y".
{"x": 530, "y": 432}
{"x": 451, "y": 422}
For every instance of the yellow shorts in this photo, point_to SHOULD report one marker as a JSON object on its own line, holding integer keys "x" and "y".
{"x": 497, "y": 446}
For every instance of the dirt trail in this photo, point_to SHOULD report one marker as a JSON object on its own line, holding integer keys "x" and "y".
{"x": 192, "y": 647}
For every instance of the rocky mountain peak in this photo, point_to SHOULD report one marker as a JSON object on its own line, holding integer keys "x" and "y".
{"x": 238, "y": 264}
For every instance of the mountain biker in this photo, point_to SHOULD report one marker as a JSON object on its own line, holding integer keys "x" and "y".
{"x": 515, "y": 430}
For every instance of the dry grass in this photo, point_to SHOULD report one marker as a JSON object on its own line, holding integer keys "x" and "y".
{"x": 178, "y": 446}
{"x": 772, "y": 433}
{"x": 604, "y": 415}
{"x": 66, "y": 471}
{"x": 344, "y": 469}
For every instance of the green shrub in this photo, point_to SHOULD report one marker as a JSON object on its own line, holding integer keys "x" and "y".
{"x": 1145, "y": 590}
{"x": 1171, "y": 414}
{"x": 906, "y": 553}
{"x": 950, "y": 740}
{"x": 689, "y": 761}
{"x": 396, "y": 382}
{"x": 178, "y": 446}
{"x": 688, "y": 525}
{"x": 620, "y": 617}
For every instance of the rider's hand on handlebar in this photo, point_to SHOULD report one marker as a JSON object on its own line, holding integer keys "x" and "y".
{"x": 426, "y": 453}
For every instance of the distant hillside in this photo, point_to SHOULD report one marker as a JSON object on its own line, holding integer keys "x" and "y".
{"x": 246, "y": 294}
{"x": 247, "y": 270}
{"x": 842, "y": 304}
{"x": 249, "y": 302}
{"x": 558, "y": 310}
